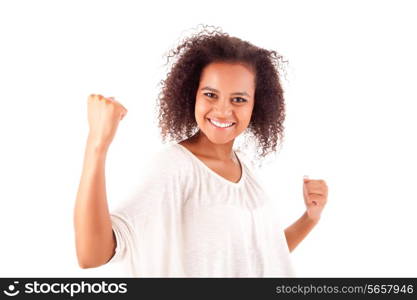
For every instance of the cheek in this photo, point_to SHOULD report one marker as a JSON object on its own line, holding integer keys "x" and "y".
{"x": 201, "y": 108}
{"x": 246, "y": 115}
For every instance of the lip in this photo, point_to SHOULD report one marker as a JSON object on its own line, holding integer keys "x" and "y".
{"x": 220, "y": 121}
{"x": 208, "y": 119}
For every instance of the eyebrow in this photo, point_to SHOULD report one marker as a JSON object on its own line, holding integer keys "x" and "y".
{"x": 214, "y": 90}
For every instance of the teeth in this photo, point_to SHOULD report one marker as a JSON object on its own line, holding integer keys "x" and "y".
{"x": 222, "y": 125}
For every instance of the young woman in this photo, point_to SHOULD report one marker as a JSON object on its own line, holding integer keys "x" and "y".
{"x": 201, "y": 212}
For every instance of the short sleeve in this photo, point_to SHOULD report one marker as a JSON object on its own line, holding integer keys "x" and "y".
{"x": 123, "y": 233}
{"x": 140, "y": 220}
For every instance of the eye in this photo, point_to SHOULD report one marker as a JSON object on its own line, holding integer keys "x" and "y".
{"x": 242, "y": 100}
{"x": 210, "y": 95}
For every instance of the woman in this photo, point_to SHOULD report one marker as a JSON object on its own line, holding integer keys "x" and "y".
{"x": 201, "y": 212}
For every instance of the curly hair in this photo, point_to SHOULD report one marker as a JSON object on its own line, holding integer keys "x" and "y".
{"x": 176, "y": 100}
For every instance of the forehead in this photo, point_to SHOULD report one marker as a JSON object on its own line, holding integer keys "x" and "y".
{"x": 228, "y": 76}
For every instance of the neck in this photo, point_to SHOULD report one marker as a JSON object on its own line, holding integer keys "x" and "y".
{"x": 222, "y": 152}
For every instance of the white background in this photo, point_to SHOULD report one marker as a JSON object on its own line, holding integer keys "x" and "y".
{"x": 351, "y": 106}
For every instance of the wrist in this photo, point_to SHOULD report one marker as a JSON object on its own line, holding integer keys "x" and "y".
{"x": 96, "y": 146}
{"x": 314, "y": 219}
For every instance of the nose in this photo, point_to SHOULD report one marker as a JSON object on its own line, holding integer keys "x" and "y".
{"x": 223, "y": 107}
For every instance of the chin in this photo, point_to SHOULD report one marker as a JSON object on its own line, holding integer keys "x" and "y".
{"x": 218, "y": 141}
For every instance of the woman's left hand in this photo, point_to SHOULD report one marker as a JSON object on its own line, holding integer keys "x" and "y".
{"x": 315, "y": 197}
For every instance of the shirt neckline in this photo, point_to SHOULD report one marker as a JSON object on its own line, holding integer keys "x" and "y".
{"x": 204, "y": 166}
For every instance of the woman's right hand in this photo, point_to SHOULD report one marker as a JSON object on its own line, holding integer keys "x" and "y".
{"x": 104, "y": 115}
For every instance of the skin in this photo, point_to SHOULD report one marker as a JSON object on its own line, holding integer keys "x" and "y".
{"x": 216, "y": 99}
{"x": 94, "y": 237}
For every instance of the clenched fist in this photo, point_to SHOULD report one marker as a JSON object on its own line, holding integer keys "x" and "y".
{"x": 104, "y": 115}
{"x": 315, "y": 197}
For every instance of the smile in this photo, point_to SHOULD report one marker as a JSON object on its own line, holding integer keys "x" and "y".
{"x": 221, "y": 125}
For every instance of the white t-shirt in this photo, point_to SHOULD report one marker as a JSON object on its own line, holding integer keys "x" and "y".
{"x": 185, "y": 220}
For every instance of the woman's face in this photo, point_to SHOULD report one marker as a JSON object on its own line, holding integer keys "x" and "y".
{"x": 224, "y": 101}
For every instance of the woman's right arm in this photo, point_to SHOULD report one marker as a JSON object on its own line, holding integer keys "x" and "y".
{"x": 95, "y": 243}
{"x": 94, "y": 237}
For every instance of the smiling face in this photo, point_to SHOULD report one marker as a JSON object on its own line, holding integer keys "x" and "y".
{"x": 224, "y": 101}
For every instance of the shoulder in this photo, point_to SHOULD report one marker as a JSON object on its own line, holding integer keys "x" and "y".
{"x": 169, "y": 160}
{"x": 170, "y": 153}
{"x": 247, "y": 160}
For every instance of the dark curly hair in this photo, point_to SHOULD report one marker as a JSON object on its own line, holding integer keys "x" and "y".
{"x": 176, "y": 100}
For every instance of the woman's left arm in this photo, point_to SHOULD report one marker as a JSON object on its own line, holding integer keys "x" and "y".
{"x": 315, "y": 197}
